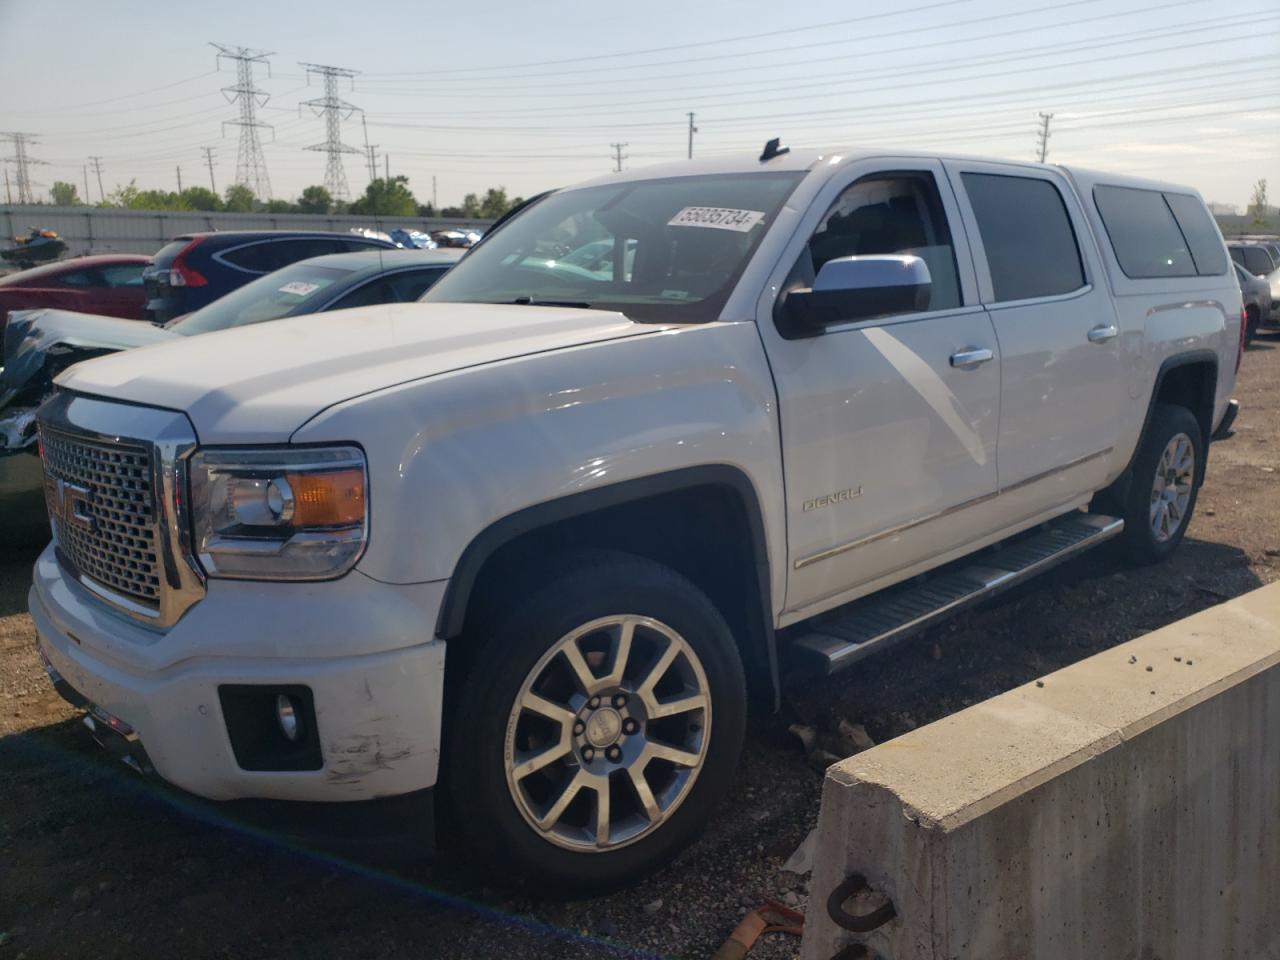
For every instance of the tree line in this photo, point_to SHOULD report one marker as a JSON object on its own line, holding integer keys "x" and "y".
{"x": 383, "y": 197}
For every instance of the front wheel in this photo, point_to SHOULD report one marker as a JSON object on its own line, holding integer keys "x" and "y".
{"x": 1166, "y": 480}
{"x": 600, "y": 721}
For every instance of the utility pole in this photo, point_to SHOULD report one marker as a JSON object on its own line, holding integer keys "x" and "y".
{"x": 20, "y": 160}
{"x": 7, "y": 192}
{"x": 387, "y": 161}
{"x": 208, "y": 159}
{"x": 251, "y": 166}
{"x": 179, "y": 178}
{"x": 334, "y": 110}
{"x": 85, "y": 169}
{"x": 435, "y": 204}
{"x": 97, "y": 168}
{"x": 692, "y": 131}
{"x": 618, "y": 156}
{"x": 368, "y": 150}
{"x": 1042, "y": 138}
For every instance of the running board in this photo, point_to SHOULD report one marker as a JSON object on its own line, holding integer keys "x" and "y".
{"x": 835, "y": 640}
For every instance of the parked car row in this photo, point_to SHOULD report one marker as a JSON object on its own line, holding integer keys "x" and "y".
{"x": 1257, "y": 263}
{"x": 62, "y": 313}
{"x": 659, "y": 440}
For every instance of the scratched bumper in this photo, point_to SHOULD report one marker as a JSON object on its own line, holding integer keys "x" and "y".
{"x": 377, "y": 713}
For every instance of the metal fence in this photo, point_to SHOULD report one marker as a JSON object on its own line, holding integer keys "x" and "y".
{"x": 106, "y": 230}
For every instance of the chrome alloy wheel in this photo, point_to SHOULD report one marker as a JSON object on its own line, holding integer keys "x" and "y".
{"x": 608, "y": 733}
{"x": 1172, "y": 486}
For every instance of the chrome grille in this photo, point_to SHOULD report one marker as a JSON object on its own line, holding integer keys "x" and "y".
{"x": 106, "y": 528}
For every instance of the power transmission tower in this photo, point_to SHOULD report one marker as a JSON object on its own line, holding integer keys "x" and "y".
{"x": 251, "y": 166}
{"x": 97, "y": 168}
{"x": 1042, "y": 138}
{"x": 21, "y": 161}
{"x": 208, "y": 160}
{"x": 334, "y": 110}
{"x": 692, "y": 131}
{"x": 370, "y": 162}
{"x": 618, "y": 155}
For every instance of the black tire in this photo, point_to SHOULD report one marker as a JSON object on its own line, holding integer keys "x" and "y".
{"x": 1140, "y": 540}
{"x": 1252, "y": 320}
{"x": 581, "y": 588}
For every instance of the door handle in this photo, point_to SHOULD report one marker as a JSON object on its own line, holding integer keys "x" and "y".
{"x": 1103, "y": 332}
{"x": 970, "y": 357}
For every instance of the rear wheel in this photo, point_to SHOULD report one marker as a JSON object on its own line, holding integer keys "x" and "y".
{"x": 1252, "y": 318}
{"x": 1165, "y": 482}
{"x": 599, "y": 722}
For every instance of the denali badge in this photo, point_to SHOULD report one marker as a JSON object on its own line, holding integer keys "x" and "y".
{"x": 828, "y": 499}
{"x": 70, "y": 503}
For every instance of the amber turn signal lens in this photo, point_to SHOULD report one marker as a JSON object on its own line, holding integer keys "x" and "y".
{"x": 328, "y": 499}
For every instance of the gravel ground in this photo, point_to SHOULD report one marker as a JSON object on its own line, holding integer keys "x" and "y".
{"x": 95, "y": 862}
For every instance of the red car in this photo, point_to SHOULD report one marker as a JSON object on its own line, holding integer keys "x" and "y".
{"x": 110, "y": 285}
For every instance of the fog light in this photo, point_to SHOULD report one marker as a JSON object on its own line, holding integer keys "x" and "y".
{"x": 287, "y": 717}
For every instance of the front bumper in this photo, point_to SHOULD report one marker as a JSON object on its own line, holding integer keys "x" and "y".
{"x": 363, "y": 648}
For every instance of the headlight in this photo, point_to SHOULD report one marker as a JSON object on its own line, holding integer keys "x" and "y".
{"x": 288, "y": 514}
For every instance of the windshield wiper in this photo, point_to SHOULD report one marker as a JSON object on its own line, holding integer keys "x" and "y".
{"x": 530, "y": 302}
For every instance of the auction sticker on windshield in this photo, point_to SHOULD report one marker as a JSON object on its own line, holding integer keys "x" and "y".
{"x": 300, "y": 288}
{"x": 719, "y": 218}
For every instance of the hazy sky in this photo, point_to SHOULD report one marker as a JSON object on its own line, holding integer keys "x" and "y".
{"x": 532, "y": 95}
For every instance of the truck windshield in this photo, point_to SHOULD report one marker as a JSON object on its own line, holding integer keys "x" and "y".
{"x": 666, "y": 251}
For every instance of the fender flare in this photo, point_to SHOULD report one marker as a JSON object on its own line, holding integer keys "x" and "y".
{"x": 483, "y": 546}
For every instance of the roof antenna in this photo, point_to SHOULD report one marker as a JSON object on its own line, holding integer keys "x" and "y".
{"x": 773, "y": 148}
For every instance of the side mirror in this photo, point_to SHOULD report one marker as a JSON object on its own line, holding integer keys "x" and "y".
{"x": 857, "y": 288}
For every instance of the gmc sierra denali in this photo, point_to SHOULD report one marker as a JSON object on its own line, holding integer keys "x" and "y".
{"x": 526, "y": 551}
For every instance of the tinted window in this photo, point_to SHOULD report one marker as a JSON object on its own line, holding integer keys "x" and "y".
{"x": 273, "y": 254}
{"x": 356, "y": 245}
{"x": 1236, "y": 254}
{"x": 371, "y": 293}
{"x": 81, "y": 278}
{"x": 409, "y": 285}
{"x": 1027, "y": 234}
{"x": 1257, "y": 261}
{"x": 1200, "y": 232}
{"x": 1143, "y": 233}
{"x": 122, "y": 275}
{"x": 895, "y": 214}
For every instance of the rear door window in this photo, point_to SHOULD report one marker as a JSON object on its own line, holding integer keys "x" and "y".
{"x": 1144, "y": 235}
{"x": 122, "y": 275}
{"x": 268, "y": 255}
{"x": 81, "y": 278}
{"x": 368, "y": 295}
{"x": 1027, "y": 235}
{"x": 1200, "y": 232}
{"x": 409, "y": 285}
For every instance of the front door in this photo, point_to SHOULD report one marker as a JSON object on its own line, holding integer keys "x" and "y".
{"x": 889, "y": 425}
{"x": 1064, "y": 388}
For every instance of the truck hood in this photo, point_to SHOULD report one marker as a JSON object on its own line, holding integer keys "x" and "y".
{"x": 259, "y": 383}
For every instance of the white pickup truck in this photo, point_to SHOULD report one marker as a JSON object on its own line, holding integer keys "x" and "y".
{"x": 539, "y": 540}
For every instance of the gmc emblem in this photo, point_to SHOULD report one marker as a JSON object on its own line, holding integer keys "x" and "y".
{"x": 70, "y": 503}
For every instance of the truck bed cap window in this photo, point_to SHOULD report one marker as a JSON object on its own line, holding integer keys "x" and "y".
{"x": 1158, "y": 234}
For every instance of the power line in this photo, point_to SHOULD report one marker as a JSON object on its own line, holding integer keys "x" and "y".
{"x": 208, "y": 160}
{"x": 618, "y": 155}
{"x": 334, "y": 110}
{"x": 21, "y": 162}
{"x": 251, "y": 166}
{"x": 1042, "y": 139}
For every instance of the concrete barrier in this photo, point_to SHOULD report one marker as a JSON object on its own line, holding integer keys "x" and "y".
{"x": 1127, "y": 806}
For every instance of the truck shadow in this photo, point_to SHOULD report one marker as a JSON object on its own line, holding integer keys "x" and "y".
{"x": 103, "y": 856}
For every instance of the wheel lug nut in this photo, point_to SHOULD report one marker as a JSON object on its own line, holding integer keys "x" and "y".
{"x": 588, "y": 754}
{"x": 614, "y": 754}
{"x": 578, "y": 726}
{"x": 619, "y": 700}
{"x": 629, "y": 726}
{"x": 593, "y": 703}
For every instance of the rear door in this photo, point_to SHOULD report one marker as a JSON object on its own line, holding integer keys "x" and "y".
{"x": 121, "y": 293}
{"x": 888, "y": 442}
{"x": 1062, "y": 380}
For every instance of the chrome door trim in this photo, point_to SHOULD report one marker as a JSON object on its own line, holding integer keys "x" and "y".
{"x": 939, "y": 514}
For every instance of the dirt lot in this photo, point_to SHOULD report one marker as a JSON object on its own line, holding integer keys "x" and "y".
{"x": 95, "y": 862}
